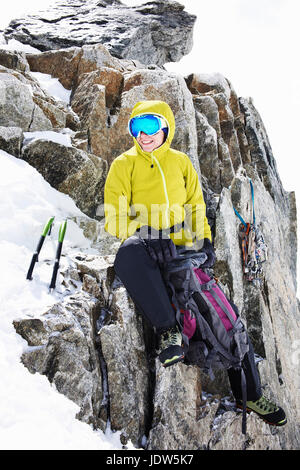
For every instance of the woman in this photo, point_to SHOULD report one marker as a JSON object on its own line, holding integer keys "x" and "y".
{"x": 153, "y": 203}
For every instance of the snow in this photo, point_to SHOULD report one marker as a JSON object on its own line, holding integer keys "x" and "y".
{"x": 63, "y": 137}
{"x": 33, "y": 415}
{"x": 52, "y": 86}
{"x": 14, "y": 45}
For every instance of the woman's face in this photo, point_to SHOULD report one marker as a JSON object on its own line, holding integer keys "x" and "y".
{"x": 148, "y": 143}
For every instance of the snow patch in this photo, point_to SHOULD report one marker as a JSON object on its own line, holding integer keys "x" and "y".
{"x": 52, "y": 86}
{"x": 63, "y": 138}
{"x": 14, "y": 45}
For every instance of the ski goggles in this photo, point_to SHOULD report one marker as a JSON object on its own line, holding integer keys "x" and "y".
{"x": 150, "y": 124}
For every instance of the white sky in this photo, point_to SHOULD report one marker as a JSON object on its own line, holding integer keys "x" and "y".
{"x": 253, "y": 43}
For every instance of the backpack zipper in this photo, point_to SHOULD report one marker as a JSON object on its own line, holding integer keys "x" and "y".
{"x": 165, "y": 188}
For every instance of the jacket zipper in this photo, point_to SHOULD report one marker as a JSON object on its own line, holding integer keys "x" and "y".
{"x": 165, "y": 188}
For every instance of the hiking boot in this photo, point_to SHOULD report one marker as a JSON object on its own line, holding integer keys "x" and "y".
{"x": 265, "y": 409}
{"x": 170, "y": 346}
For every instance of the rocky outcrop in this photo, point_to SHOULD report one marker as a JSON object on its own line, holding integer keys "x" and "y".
{"x": 14, "y": 60}
{"x": 17, "y": 107}
{"x": 69, "y": 64}
{"x": 96, "y": 349}
{"x": 72, "y": 171}
{"x": 61, "y": 346}
{"x": 94, "y": 345}
{"x": 222, "y": 143}
{"x": 163, "y": 26}
{"x": 24, "y": 103}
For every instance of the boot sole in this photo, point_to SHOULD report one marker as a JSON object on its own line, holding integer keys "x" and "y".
{"x": 170, "y": 363}
{"x": 280, "y": 423}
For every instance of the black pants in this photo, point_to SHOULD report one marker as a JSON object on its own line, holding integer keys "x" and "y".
{"x": 142, "y": 278}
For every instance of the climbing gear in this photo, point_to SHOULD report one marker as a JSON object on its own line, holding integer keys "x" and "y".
{"x": 150, "y": 124}
{"x": 253, "y": 246}
{"x": 47, "y": 231}
{"x": 213, "y": 333}
{"x": 265, "y": 409}
{"x": 171, "y": 347}
{"x": 61, "y": 236}
{"x": 35, "y": 257}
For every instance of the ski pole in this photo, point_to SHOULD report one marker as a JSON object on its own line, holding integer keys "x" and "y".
{"x": 35, "y": 257}
{"x": 61, "y": 236}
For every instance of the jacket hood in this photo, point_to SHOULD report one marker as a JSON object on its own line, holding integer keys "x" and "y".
{"x": 156, "y": 107}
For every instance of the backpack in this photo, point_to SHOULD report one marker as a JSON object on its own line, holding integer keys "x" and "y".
{"x": 213, "y": 333}
{"x": 253, "y": 246}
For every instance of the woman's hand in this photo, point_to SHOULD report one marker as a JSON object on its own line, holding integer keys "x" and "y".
{"x": 205, "y": 246}
{"x": 161, "y": 250}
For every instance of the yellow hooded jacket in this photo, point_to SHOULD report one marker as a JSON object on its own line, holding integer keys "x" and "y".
{"x": 158, "y": 189}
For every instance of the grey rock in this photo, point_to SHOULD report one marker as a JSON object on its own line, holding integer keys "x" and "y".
{"x": 94, "y": 231}
{"x": 204, "y": 83}
{"x": 260, "y": 149}
{"x": 25, "y": 99}
{"x": 61, "y": 345}
{"x": 68, "y": 65}
{"x": 128, "y": 380}
{"x": 163, "y": 26}
{"x": 222, "y": 142}
{"x": 14, "y": 60}
{"x": 11, "y": 139}
{"x": 226, "y": 167}
{"x": 208, "y": 151}
{"x": 71, "y": 171}
{"x": 206, "y": 105}
{"x": 228, "y": 131}
{"x": 17, "y": 107}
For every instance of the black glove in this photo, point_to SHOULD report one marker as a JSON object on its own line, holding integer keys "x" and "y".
{"x": 205, "y": 246}
{"x": 161, "y": 250}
